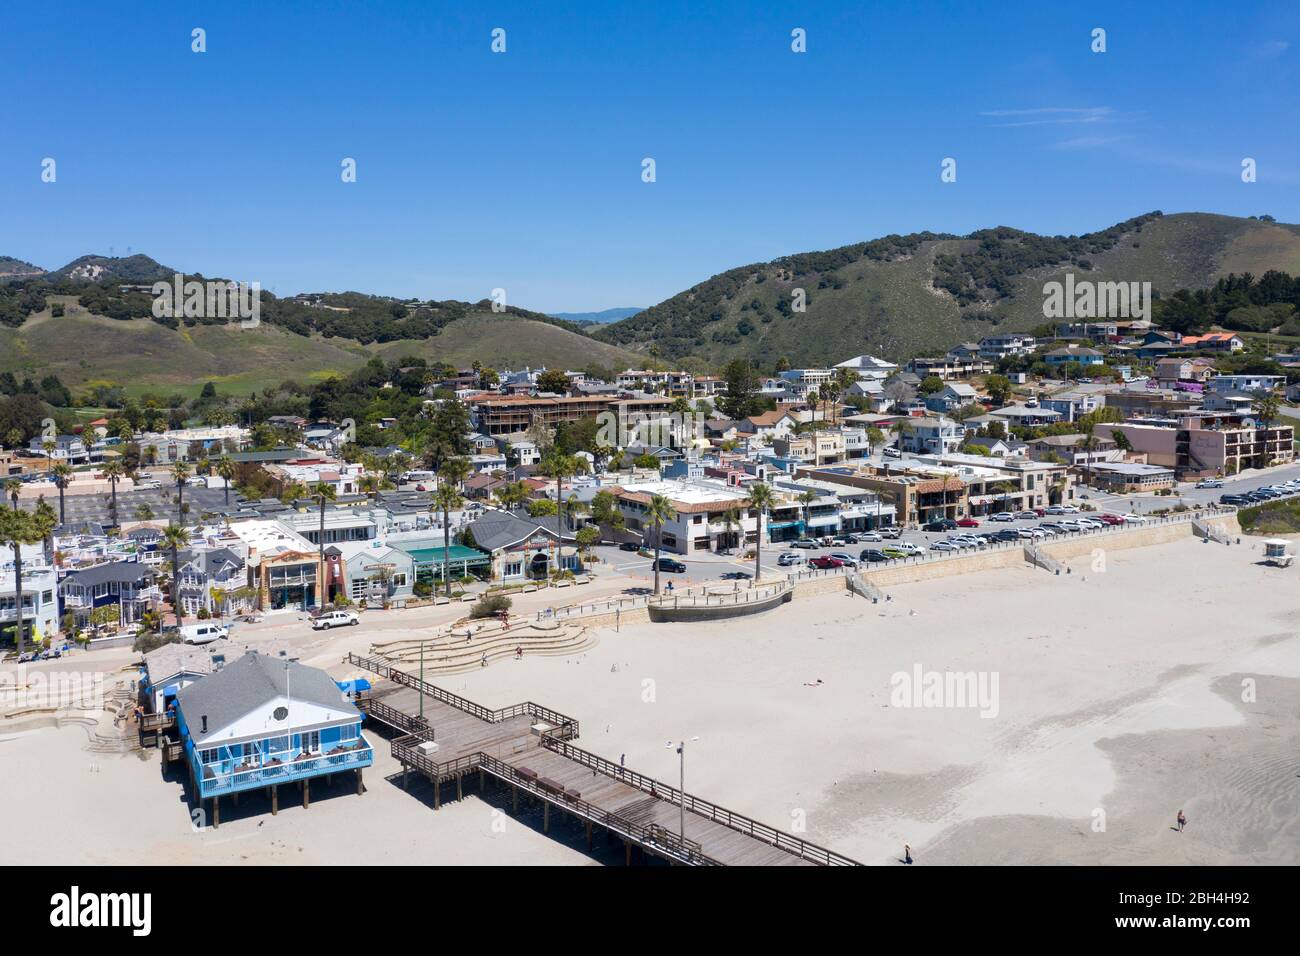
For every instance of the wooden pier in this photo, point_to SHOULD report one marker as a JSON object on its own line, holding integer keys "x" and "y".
{"x": 530, "y": 748}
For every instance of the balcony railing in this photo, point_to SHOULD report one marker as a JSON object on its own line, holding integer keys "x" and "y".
{"x": 233, "y": 775}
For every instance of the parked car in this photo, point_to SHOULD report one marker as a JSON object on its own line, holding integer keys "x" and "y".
{"x": 893, "y": 532}
{"x": 204, "y": 632}
{"x": 1027, "y": 515}
{"x": 894, "y": 552}
{"x": 941, "y": 524}
{"x": 846, "y": 559}
{"x": 331, "y": 619}
{"x": 866, "y": 536}
{"x": 1134, "y": 519}
{"x": 825, "y": 562}
{"x": 944, "y": 546}
{"x": 671, "y": 564}
{"x": 630, "y": 546}
{"x": 803, "y": 543}
{"x": 789, "y": 558}
{"x": 1234, "y": 500}
{"x": 891, "y": 452}
{"x": 968, "y": 522}
{"x": 1110, "y": 519}
{"x": 1210, "y": 483}
{"x": 908, "y": 548}
{"x": 1002, "y": 516}
{"x": 873, "y": 556}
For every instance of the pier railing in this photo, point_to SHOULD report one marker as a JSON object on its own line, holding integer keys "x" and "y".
{"x": 711, "y": 811}
{"x": 564, "y": 726}
{"x": 653, "y": 836}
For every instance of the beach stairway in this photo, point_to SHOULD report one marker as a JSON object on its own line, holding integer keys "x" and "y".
{"x": 461, "y": 647}
{"x": 1040, "y": 558}
{"x": 864, "y": 588}
{"x": 1210, "y": 530}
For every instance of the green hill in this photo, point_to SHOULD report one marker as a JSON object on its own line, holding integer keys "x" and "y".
{"x": 919, "y": 294}
{"x": 83, "y": 348}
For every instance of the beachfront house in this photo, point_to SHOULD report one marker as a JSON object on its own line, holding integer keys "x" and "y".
{"x": 125, "y": 584}
{"x": 368, "y": 571}
{"x": 259, "y": 722}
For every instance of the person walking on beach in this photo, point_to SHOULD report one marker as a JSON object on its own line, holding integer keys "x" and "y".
{"x": 1182, "y": 821}
{"x": 482, "y": 661}
{"x": 519, "y": 653}
{"x": 907, "y": 854}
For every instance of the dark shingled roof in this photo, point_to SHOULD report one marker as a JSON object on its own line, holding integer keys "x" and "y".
{"x": 254, "y": 681}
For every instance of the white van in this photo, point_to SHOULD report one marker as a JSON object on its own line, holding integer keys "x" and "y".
{"x": 419, "y": 476}
{"x": 205, "y": 632}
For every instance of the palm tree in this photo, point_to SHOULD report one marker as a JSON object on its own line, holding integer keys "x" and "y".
{"x": 180, "y": 474}
{"x": 844, "y": 379}
{"x": 658, "y": 511}
{"x": 1004, "y": 488}
{"x": 62, "y": 475}
{"x": 882, "y": 498}
{"x": 12, "y": 488}
{"x": 175, "y": 537}
{"x": 806, "y": 498}
{"x": 227, "y": 470}
{"x": 448, "y": 498}
{"x": 18, "y": 528}
{"x": 730, "y": 524}
{"x": 559, "y": 467}
{"x": 322, "y": 491}
{"x": 46, "y": 522}
{"x": 48, "y": 447}
{"x": 114, "y": 471}
{"x": 761, "y": 499}
{"x": 1266, "y": 407}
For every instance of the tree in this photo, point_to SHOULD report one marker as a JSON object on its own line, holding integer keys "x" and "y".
{"x": 741, "y": 397}
{"x": 143, "y": 512}
{"x": 13, "y": 488}
{"x": 1121, "y": 440}
{"x": 447, "y": 433}
{"x": 46, "y": 522}
{"x": 560, "y": 467}
{"x": 226, "y": 470}
{"x": 587, "y": 536}
{"x": 322, "y": 491}
{"x": 931, "y": 384}
{"x": 730, "y": 524}
{"x": 806, "y": 498}
{"x": 1266, "y": 407}
{"x": 447, "y": 498}
{"x": 18, "y": 528}
{"x": 180, "y": 474}
{"x": 62, "y": 475}
{"x": 175, "y": 537}
{"x": 659, "y": 510}
{"x": 553, "y": 380}
{"x": 604, "y": 510}
{"x": 48, "y": 446}
{"x": 114, "y": 471}
{"x": 999, "y": 388}
{"x": 761, "y": 499}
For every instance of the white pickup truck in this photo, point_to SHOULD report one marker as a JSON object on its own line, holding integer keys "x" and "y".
{"x": 335, "y": 619}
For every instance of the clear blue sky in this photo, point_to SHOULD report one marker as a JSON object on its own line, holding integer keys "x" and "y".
{"x": 523, "y": 170}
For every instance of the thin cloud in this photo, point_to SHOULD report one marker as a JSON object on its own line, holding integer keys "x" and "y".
{"x": 1272, "y": 49}
{"x": 1053, "y": 116}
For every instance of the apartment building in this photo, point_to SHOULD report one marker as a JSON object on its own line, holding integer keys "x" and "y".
{"x": 498, "y": 415}
{"x": 1205, "y": 444}
{"x": 700, "y": 523}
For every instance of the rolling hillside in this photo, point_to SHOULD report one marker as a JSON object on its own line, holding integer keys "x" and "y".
{"x": 909, "y": 295}
{"x": 82, "y": 348}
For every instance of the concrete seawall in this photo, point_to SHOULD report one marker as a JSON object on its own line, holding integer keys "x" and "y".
{"x": 926, "y": 570}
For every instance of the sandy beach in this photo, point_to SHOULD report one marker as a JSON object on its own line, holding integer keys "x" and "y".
{"x": 1169, "y": 680}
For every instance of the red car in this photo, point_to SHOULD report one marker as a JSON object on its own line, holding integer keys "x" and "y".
{"x": 826, "y": 562}
{"x": 1110, "y": 519}
{"x": 967, "y": 523}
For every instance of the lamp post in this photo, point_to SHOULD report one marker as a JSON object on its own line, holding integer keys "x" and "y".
{"x": 681, "y": 787}
{"x": 421, "y": 681}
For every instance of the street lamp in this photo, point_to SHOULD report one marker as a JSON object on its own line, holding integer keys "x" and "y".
{"x": 681, "y": 788}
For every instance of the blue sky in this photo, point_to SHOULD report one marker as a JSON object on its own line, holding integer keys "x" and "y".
{"x": 522, "y": 170}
